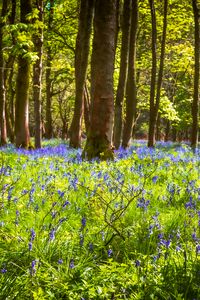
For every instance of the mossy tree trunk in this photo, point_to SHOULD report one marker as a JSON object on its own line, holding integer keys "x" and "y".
{"x": 37, "y": 77}
{"x": 22, "y": 136}
{"x": 126, "y": 25}
{"x": 98, "y": 142}
{"x": 3, "y": 139}
{"x": 131, "y": 93}
{"x": 195, "y": 104}
{"x": 81, "y": 62}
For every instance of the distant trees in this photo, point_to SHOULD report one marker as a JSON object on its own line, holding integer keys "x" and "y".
{"x": 134, "y": 78}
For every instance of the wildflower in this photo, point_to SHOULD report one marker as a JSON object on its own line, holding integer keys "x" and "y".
{"x": 137, "y": 263}
{"x": 198, "y": 249}
{"x": 32, "y": 234}
{"x": 33, "y": 267}
{"x": 66, "y": 203}
{"x": 52, "y": 234}
{"x": 154, "y": 179}
{"x": 110, "y": 252}
{"x": 83, "y": 222}
{"x": 30, "y": 246}
{"x": 3, "y": 271}
{"x": 60, "y": 261}
{"x": 71, "y": 264}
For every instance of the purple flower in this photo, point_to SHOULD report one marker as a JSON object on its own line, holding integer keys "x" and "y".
{"x": 30, "y": 246}
{"x": 198, "y": 249}
{"x": 32, "y": 234}
{"x": 83, "y": 221}
{"x": 3, "y": 271}
{"x": 33, "y": 267}
{"x": 110, "y": 252}
{"x": 137, "y": 263}
{"x": 71, "y": 264}
{"x": 154, "y": 179}
{"x": 52, "y": 234}
{"x": 66, "y": 203}
{"x": 60, "y": 261}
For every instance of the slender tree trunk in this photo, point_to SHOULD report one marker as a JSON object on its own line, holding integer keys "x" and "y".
{"x": 195, "y": 104}
{"x": 167, "y": 131}
{"x": 151, "y": 139}
{"x": 126, "y": 25}
{"x": 86, "y": 109}
{"x": 81, "y": 62}
{"x": 154, "y": 104}
{"x": 131, "y": 93}
{"x": 37, "y": 78}
{"x": 22, "y": 89}
{"x": 3, "y": 139}
{"x": 49, "y": 126}
{"x": 98, "y": 142}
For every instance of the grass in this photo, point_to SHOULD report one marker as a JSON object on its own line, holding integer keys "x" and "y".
{"x": 128, "y": 229}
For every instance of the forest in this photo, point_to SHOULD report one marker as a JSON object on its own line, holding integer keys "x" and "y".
{"x": 99, "y": 149}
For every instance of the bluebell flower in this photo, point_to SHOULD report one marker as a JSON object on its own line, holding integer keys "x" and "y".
{"x": 198, "y": 249}
{"x": 30, "y": 246}
{"x": 154, "y": 179}
{"x": 83, "y": 222}
{"x": 3, "y": 271}
{"x": 137, "y": 263}
{"x": 60, "y": 261}
{"x": 110, "y": 252}
{"x": 52, "y": 234}
{"x": 71, "y": 264}
{"x": 33, "y": 234}
{"x": 66, "y": 203}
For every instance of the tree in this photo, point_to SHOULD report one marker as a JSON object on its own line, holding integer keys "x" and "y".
{"x": 37, "y": 75}
{"x": 98, "y": 142}
{"x": 195, "y": 104}
{"x": 131, "y": 93}
{"x": 126, "y": 22}
{"x": 49, "y": 127}
{"x": 154, "y": 103}
{"x": 22, "y": 136}
{"x": 81, "y": 63}
{"x": 3, "y": 140}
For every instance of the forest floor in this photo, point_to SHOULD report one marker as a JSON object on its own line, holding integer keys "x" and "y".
{"x": 122, "y": 229}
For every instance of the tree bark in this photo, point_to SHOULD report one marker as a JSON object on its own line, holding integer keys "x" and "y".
{"x": 86, "y": 109}
{"x": 151, "y": 138}
{"x": 154, "y": 103}
{"x": 195, "y": 104}
{"x": 3, "y": 139}
{"x": 37, "y": 78}
{"x": 49, "y": 126}
{"x": 81, "y": 62}
{"x": 126, "y": 25}
{"x": 98, "y": 142}
{"x": 131, "y": 93}
{"x": 22, "y": 136}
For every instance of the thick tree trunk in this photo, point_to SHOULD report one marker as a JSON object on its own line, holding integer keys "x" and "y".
{"x": 22, "y": 136}
{"x": 98, "y": 142}
{"x": 154, "y": 104}
{"x": 3, "y": 139}
{"x": 195, "y": 104}
{"x": 131, "y": 93}
{"x": 37, "y": 78}
{"x": 48, "y": 125}
{"x": 126, "y": 22}
{"x": 81, "y": 62}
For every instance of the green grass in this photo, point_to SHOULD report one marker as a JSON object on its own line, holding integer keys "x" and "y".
{"x": 128, "y": 229}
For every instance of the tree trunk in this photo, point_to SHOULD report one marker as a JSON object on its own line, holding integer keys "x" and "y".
{"x": 126, "y": 22}
{"x": 22, "y": 89}
{"x": 81, "y": 62}
{"x": 195, "y": 104}
{"x": 154, "y": 104}
{"x": 3, "y": 139}
{"x": 37, "y": 78}
{"x": 167, "y": 131}
{"x": 131, "y": 93}
{"x": 98, "y": 142}
{"x": 49, "y": 126}
{"x": 151, "y": 138}
{"x": 86, "y": 109}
